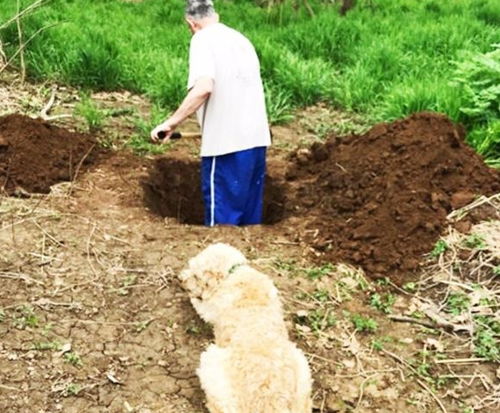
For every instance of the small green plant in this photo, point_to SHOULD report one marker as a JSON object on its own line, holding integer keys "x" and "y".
{"x": 423, "y": 369}
{"x": 88, "y": 110}
{"x": 422, "y": 366}
{"x": 321, "y": 295}
{"x": 73, "y": 358}
{"x": 47, "y": 328}
{"x": 47, "y": 346}
{"x": 440, "y": 248}
{"x": 382, "y": 303}
{"x": 317, "y": 320}
{"x": 417, "y": 315}
{"x": 72, "y": 390}
{"x": 486, "y": 338}
{"x": 128, "y": 281}
{"x": 475, "y": 241}
{"x": 411, "y": 287}
{"x": 26, "y": 318}
{"x": 457, "y": 303}
{"x": 316, "y": 273}
{"x": 378, "y": 343}
{"x": 289, "y": 266}
{"x": 384, "y": 281}
{"x": 364, "y": 324}
{"x": 142, "y": 325}
{"x": 196, "y": 329}
{"x": 141, "y": 142}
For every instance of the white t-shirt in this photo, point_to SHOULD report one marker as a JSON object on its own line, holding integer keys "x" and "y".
{"x": 234, "y": 117}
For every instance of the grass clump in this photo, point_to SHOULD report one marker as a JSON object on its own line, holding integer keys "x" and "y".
{"x": 475, "y": 241}
{"x": 90, "y": 112}
{"x": 317, "y": 320}
{"x": 25, "y": 317}
{"x": 364, "y": 324}
{"x": 383, "y": 302}
{"x": 47, "y": 346}
{"x": 73, "y": 358}
{"x": 457, "y": 303}
{"x": 72, "y": 390}
{"x": 486, "y": 343}
{"x": 439, "y": 249}
{"x": 315, "y": 273}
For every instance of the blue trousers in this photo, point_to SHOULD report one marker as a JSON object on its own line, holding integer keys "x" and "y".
{"x": 233, "y": 187}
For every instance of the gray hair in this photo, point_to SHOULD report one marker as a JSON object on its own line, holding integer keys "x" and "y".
{"x": 199, "y": 9}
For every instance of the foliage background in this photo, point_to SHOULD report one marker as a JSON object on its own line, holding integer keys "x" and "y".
{"x": 384, "y": 59}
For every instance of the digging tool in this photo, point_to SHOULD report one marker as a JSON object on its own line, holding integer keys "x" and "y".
{"x": 179, "y": 135}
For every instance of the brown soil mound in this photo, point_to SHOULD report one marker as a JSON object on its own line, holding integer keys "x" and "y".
{"x": 381, "y": 199}
{"x": 35, "y": 154}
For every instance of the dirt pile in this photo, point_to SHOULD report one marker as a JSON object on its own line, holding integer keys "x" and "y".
{"x": 380, "y": 200}
{"x": 35, "y": 154}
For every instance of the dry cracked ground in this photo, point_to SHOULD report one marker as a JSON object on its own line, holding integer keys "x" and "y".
{"x": 92, "y": 318}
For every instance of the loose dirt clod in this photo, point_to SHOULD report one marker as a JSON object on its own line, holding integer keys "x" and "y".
{"x": 380, "y": 200}
{"x": 35, "y": 154}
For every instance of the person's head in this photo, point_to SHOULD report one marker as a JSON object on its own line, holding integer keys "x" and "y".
{"x": 200, "y": 13}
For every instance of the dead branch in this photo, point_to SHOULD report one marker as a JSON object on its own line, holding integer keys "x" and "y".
{"x": 471, "y": 360}
{"x": 46, "y": 109}
{"x": 20, "y": 39}
{"x": 23, "y": 46}
{"x": 3, "y": 56}
{"x": 420, "y": 382}
{"x": 22, "y": 13}
{"x": 404, "y": 319}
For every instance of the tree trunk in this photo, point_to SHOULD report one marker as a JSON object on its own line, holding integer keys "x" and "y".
{"x": 346, "y": 6}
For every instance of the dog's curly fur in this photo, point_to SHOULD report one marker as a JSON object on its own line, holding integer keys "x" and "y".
{"x": 253, "y": 367}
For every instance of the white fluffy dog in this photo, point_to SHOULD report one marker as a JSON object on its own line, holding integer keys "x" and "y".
{"x": 253, "y": 367}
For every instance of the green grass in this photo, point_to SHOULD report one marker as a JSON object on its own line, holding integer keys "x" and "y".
{"x": 88, "y": 110}
{"x": 384, "y": 59}
{"x": 364, "y": 324}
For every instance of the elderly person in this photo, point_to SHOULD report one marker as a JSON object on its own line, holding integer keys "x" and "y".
{"x": 225, "y": 88}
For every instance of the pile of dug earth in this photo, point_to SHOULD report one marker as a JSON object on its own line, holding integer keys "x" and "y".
{"x": 35, "y": 155}
{"x": 380, "y": 200}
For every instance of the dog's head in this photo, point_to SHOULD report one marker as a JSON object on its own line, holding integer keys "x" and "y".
{"x": 209, "y": 268}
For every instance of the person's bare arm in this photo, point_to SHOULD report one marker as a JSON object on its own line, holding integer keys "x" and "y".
{"x": 196, "y": 96}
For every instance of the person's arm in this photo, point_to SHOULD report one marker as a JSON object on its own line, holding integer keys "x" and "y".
{"x": 196, "y": 96}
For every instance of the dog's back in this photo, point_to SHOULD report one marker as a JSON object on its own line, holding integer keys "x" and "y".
{"x": 264, "y": 376}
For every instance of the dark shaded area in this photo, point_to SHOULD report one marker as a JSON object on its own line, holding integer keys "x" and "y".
{"x": 172, "y": 189}
{"x": 346, "y": 6}
{"x": 380, "y": 200}
{"x": 35, "y": 154}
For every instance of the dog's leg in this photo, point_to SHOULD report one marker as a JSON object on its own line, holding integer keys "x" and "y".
{"x": 304, "y": 383}
{"x": 204, "y": 310}
{"x": 214, "y": 381}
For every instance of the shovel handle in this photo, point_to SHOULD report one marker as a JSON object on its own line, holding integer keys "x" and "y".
{"x": 178, "y": 135}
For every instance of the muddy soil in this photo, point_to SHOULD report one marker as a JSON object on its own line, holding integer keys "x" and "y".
{"x": 34, "y": 154}
{"x": 380, "y": 200}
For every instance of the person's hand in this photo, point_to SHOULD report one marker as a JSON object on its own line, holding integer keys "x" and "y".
{"x": 162, "y": 132}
